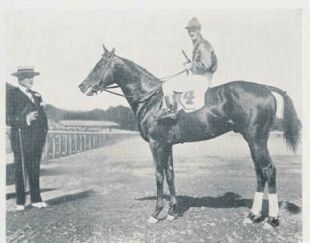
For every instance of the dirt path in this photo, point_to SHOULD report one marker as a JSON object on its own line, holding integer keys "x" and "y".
{"x": 106, "y": 195}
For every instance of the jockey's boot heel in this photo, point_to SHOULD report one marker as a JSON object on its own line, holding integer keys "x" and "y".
{"x": 167, "y": 117}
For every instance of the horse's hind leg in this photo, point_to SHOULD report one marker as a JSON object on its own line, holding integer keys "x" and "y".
{"x": 269, "y": 172}
{"x": 266, "y": 173}
{"x": 259, "y": 194}
{"x": 258, "y": 155}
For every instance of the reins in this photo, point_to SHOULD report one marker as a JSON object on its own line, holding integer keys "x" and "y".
{"x": 154, "y": 91}
{"x": 148, "y": 95}
{"x": 111, "y": 92}
{"x": 164, "y": 79}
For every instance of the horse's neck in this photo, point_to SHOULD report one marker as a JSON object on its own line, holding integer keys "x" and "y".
{"x": 136, "y": 83}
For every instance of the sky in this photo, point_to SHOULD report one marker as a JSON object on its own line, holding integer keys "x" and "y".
{"x": 262, "y": 46}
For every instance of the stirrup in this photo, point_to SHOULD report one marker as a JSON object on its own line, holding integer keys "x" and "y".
{"x": 167, "y": 117}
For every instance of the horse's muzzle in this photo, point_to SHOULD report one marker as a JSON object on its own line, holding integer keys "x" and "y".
{"x": 82, "y": 87}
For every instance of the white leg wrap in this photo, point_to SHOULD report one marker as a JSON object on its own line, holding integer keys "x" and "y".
{"x": 152, "y": 220}
{"x": 258, "y": 203}
{"x": 273, "y": 205}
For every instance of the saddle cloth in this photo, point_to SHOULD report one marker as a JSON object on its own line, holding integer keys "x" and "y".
{"x": 186, "y": 92}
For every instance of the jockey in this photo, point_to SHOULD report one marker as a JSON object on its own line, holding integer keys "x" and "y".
{"x": 199, "y": 71}
{"x": 204, "y": 61}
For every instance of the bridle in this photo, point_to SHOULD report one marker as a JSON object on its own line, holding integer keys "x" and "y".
{"x": 149, "y": 94}
{"x": 154, "y": 91}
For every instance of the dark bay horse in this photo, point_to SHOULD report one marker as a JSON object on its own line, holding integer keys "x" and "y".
{"x": 243, "y": 107}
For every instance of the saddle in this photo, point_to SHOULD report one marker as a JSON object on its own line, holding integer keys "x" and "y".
{"x": 187, "y": 101}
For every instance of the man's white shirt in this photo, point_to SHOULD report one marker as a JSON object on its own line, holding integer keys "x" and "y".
{"x": 29, "y": 95}
{"x": 24, "y": 90}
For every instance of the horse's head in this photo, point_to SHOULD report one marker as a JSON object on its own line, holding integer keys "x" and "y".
{"x": 102, "y": 74}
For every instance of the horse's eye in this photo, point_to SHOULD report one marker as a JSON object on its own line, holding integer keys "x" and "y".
{"x": 101, "y": 63}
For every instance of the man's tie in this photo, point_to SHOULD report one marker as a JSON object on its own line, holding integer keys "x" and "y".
{"x": 32, "y": 95}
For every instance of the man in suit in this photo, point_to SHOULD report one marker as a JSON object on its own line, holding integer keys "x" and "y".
{"x": 200, "y": 70}
{"x": 28, "y": 122}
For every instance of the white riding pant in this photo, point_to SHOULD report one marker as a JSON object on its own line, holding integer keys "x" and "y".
{"x": 183, "y": 83}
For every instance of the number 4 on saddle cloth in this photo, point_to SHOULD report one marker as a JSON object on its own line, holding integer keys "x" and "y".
{"x": 188, "y": 101}
{"x": 186, "y": 92}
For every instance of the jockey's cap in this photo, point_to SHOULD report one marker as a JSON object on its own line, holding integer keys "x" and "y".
{"x": 193, "y": 24}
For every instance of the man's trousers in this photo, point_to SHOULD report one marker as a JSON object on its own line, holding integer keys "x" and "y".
{"x": 32, "y": 169}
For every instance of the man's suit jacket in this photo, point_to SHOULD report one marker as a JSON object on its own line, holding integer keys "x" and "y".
{"x": 18, "y": 105}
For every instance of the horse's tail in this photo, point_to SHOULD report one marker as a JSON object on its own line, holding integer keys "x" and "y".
{"x": 291, "y": 123}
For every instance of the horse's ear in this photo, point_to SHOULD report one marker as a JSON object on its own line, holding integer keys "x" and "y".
{"x": 112, "y": 52}
{"x": 105, "y": 49}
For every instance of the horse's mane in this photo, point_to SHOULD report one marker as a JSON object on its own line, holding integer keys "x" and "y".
{"x": 142, "y": 69}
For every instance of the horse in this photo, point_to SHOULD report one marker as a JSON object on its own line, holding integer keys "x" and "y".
{"x": 243, "y": 107}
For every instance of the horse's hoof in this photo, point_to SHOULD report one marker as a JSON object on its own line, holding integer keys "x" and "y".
{"x": 271, "y": 223}
{"x": 152, "y": 220}
{"x": 171, "y": 217}
{"x": 252, "y": 219}
{"x": 247, "y": 221}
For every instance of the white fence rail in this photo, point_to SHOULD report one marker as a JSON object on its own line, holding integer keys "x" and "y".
{"x": 64, "y": 143}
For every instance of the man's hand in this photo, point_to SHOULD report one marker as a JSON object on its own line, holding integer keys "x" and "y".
{"x": 32, "y": 116}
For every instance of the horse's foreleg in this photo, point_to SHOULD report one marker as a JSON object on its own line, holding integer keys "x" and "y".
{"x": 173, "y": 211}
{"x": 158, "y": 153}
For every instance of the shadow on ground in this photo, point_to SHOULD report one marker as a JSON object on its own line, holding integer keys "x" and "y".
{"x": 227, "y": 200}
{"x": 10, "y": 173}
{"x": 69, "y": 197}
{"x": 13, "y": 194}
{"x": 52, "y": 172}
{"x": 63, "y": 199}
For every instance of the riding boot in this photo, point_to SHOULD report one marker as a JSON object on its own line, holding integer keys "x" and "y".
{"x": 168, "y": 115}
